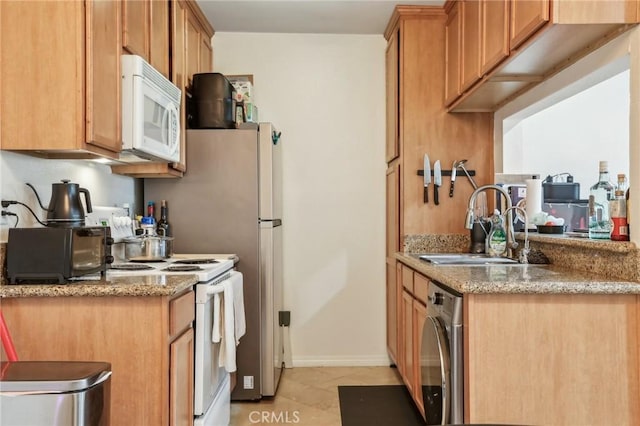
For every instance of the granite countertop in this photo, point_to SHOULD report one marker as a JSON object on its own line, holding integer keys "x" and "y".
{"x": 518, "y": 279}
{"x": 139, "y": 285}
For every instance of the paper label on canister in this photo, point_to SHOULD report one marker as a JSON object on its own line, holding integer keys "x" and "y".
{"x": 617, "y": 208}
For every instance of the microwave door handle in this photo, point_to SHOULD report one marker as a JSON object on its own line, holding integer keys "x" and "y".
{"x": 172, "y": 127}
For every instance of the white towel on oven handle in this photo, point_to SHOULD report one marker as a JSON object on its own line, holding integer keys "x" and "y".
{"x": 229, "y": 320}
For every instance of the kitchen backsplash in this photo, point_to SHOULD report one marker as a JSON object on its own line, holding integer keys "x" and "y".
{"x": 16, "y": 170}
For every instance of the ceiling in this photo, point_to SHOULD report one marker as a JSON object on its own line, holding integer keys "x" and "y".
{"x": 303, "y": 16}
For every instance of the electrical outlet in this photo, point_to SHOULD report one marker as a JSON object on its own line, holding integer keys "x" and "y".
{"x": 248, "y": 382}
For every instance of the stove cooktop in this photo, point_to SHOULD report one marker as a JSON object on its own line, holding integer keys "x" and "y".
{"x": 205, "y": 266}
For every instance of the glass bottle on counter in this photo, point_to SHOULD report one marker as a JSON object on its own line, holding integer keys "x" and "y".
{"x": 151, "y": 210}
{"x": 618, "y": 211}
{"x": 599, "y": 196}
{"x": 163, "y": 223}
{"x": 497, "y": 238}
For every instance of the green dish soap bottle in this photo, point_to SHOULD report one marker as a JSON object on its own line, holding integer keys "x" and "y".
{"x": 497, "y": 238}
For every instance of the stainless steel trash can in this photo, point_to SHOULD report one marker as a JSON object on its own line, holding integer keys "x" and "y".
{"x": 55, "y": 393}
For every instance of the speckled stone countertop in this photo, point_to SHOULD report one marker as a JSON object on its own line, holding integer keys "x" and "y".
{"x": 518, "y": 279}
{"x": 140, "y": 285}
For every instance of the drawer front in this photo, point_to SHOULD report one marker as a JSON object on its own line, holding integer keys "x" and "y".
{"x": 407, "y": 278}
{"x": 181, "y": 312}
{"x": 420, "y": 288}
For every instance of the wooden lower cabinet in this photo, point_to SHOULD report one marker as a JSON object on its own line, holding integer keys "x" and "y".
{"x": 148, "y": 341}
{"x": 392, "y": 310}
{"x": 407, "y": 366}
{"x": 181, "y": 370}
{"x": 413, "y": 313}
{"x": 552, "y": 359}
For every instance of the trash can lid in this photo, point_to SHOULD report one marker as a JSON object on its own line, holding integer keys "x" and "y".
{"x": 51, "y": 376}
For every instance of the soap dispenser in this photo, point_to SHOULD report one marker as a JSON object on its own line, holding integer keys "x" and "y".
{"x": 497, "y": 238}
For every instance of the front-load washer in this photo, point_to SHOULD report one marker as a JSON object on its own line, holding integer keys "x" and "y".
{"x": 441, "y": 369}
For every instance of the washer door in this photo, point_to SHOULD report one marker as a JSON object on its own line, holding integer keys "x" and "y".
{"x": 435, "y": 372}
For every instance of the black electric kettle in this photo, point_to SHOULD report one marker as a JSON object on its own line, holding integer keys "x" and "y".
{"x": 65, "y": 209}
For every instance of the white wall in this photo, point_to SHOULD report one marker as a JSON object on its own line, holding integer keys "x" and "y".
{"x": 105, "y": 188}
{"x": 326, "y": 94}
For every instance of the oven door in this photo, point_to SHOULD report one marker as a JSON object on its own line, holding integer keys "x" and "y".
{"x": 435, "y": 371}
{"x": 209, "y": 376}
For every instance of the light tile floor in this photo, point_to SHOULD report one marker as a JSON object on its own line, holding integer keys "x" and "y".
{"x": 308, "y": 396}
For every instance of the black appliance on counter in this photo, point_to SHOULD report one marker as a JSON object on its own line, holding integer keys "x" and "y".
{"x": 211, "y": 103}
{"x": 57, "y": 254}
{"x": 562, "y": 199}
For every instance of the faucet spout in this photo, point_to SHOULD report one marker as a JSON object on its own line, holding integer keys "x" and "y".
{"x": 469, "y": 219}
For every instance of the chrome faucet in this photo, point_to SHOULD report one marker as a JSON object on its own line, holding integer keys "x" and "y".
{"x": 524, "y": 252}
{"x": 508, "y": 215}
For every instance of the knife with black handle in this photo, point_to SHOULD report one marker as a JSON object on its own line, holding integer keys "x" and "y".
{"x": 453, "y": 177}
{"x": 437, "y": 180}
{"x": 427, "y": 178}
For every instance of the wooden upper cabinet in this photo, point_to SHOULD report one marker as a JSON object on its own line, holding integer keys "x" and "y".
{"x": 145, "y": 31}
{"x": 206, "y": 54}
{"x": 103, "y": 76}
{"x": 453, "y": 29}
{"x": 527, "y": 16}
{"x": 393, "y": 210}
{"x": 159, "y": 36}
{"x": 192, "y": 48}
{"x": 179, "y": 69}
{"x": 495, "y": 33}
{"x": 64, "y": 69}
{"x": 470, "y": 57}
{"x": 392, "y": 64}
{"x": 135, "y": 27}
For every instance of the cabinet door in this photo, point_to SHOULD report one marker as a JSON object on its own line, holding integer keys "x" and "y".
{"x": 494, "y": 33}
{"x": 103, "y": 48}
{"x": 181, "y": 380}
{"x": 392, "y": 309}
{"x": 393, "y": 210}
{"x": 527, "y": 16}
{"x": 452, "y": 55}
{"x": 419, "y": 318}
{"x": 408, "y": 366}
{"x": 179, "y": 69}
{"x": 159, "y": 36}
{"x": 135, "y": 27}
{"x": 192, "y": 47}
{"x": 206, "y": 54}
{"x": 470, "y": 43}
{"x": 392, "y": 61}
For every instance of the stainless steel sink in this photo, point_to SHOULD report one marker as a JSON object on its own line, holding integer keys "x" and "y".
{"x": 466, "y": 259}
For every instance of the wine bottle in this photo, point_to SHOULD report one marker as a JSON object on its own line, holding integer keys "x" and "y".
{"x": 163, "y": 223}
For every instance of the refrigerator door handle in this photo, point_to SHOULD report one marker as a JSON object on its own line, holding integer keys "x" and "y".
{"x": 275, "y": 222}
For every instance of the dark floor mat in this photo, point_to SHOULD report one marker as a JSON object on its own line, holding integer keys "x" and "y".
{"x": 377, "y": 405}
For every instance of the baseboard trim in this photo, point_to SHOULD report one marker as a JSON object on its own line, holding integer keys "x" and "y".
{"x": 375, "y": 361}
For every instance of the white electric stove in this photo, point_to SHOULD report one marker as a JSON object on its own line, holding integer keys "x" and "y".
{"x": 205, "y": 266}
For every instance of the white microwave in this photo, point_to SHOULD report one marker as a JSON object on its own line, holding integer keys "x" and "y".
{"x": 150, "y": 112}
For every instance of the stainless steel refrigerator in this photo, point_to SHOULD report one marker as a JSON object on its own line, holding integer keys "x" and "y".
{"x": 230, "y": 201}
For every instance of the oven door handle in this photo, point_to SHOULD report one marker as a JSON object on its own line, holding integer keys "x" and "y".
{"x": 215, "y": 289}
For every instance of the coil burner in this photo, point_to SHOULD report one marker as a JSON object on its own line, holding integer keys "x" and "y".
{"x": 182, "y": 268}
{"x": 131, "y": 267}
{"x": 195, "y": 261}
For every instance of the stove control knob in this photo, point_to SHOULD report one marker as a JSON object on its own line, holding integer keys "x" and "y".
{"x": 108, "y": 259}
